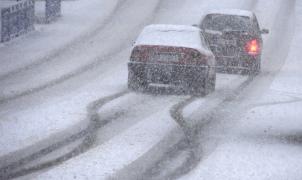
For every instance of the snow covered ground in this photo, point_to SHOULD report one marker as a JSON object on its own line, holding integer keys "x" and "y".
{"x": 71, "y": 101}
{"x": 265, "y": 143}
{"x": 44, "y": 119}
{"x": 258, "y": 139}
{"x": 80, "y": 19}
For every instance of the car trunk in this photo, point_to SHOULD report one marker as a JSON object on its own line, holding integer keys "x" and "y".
{"x": 229, "y": 46}
{"x": 169, "y": 65}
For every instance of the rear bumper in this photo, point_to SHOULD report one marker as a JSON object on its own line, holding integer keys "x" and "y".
{"x": 244, "y": 62}
{"x": 171, "y": 74}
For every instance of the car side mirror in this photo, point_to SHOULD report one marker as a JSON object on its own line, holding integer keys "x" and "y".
{"x": 264, "y": 31}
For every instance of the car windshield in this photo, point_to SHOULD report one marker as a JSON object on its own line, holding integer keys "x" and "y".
{"x": 150, "y": 90}
{"x": 226, "y": 22}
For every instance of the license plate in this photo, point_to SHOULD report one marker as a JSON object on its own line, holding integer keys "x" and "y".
{"x": 227, "y": 42}
{"x": 230, "y": 51}
{"x": 165, "y": 57}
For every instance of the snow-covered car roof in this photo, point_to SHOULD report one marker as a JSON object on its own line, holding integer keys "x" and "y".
{"x": 238, "y": 12}
{"x": 172, "y": 35}
{"x": 7, "y": 3}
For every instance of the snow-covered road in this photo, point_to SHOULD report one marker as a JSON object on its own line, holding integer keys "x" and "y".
{"x": 43, "y": 102}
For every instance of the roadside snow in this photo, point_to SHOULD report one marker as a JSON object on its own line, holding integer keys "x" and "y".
{"x": 289, "y": 79}
{"x": 79, "y": 18}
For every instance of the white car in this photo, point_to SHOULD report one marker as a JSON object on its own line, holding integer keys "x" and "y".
{"x": 173, "y": 56}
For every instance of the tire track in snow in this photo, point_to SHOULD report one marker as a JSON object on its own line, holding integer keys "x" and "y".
{"x": 87, "y": 138}
{"x": 178, "y": 115}
{"x": 15, "y": 169}
{"x": 190, "y": 144}
{"x": 294, "y": 99}
{"x": 215, "y": 115}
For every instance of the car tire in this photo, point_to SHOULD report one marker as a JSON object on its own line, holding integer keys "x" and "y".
{"x": 213, "y": 83}
{"x": 207, "y": 87}
{"x": 195, "y": 87}
{"x": 209, "y": 84}
{"x": 136, "y": 82}
{"x": 256, "y": 68}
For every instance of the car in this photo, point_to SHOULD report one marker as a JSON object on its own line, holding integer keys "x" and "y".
{"x": 235, "y": 39}
{"x": 172, "y": 56}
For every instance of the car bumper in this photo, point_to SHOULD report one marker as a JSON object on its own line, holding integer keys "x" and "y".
{"x": 226, "y": 63}
{"x": 171, "y": 74}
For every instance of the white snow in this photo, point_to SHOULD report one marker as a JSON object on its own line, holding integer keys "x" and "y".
{"x": 257, "y": 146}
{"x": 114, "y": 76}
{"x": 62, "y": 108}
{"x": 79, "y": 18}
{"x": 172, "y": 35}
{"x": 108, "y": 158}
{"x": 264, "y": 142}
{"x": 237, "y": 12}
{"x": 250, "y": 160}
{"x": 290, "y": 78}
{"x": 113, "y": 155}
{"x": 7, "y": 3}
{"x": 225, "y": 85}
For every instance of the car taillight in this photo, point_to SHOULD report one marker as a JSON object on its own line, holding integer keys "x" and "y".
{"x": 139, "y": 55}
{"x": 252, "y": 47}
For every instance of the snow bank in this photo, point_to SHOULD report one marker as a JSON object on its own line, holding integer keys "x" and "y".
{"x": 290, "y": 78}
{"x": 79, "y": 18}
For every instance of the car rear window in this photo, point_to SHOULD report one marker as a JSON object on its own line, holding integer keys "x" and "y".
{"x": 158, "y": 53}
{"x": 220, "y": 22}
{"x": 164, "y": 54}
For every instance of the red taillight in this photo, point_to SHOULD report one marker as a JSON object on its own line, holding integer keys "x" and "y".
{"x": 252, "y": 47}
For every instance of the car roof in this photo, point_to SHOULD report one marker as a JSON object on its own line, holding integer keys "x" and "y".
{"x": 236, "y": 12}
{"x": 172, "y": 35}
{"x": 7, "y": 3}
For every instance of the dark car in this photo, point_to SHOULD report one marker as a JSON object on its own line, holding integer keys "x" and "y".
{"x": 172, "y": 56}
{"x": 235, "y": 39}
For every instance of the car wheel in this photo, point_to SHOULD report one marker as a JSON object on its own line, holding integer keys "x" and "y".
{"x": 209, "y": 84}
{"x": 212, "y": 83}
{"x": 195, "y": 87}
{"x": 136, "y": 82}
{"x": 256, "y": 67}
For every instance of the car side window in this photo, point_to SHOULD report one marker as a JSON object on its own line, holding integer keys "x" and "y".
{"x": 204, "y": 41}
{"x": 256, "y": 24}
{"x": 204, "y": 21}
